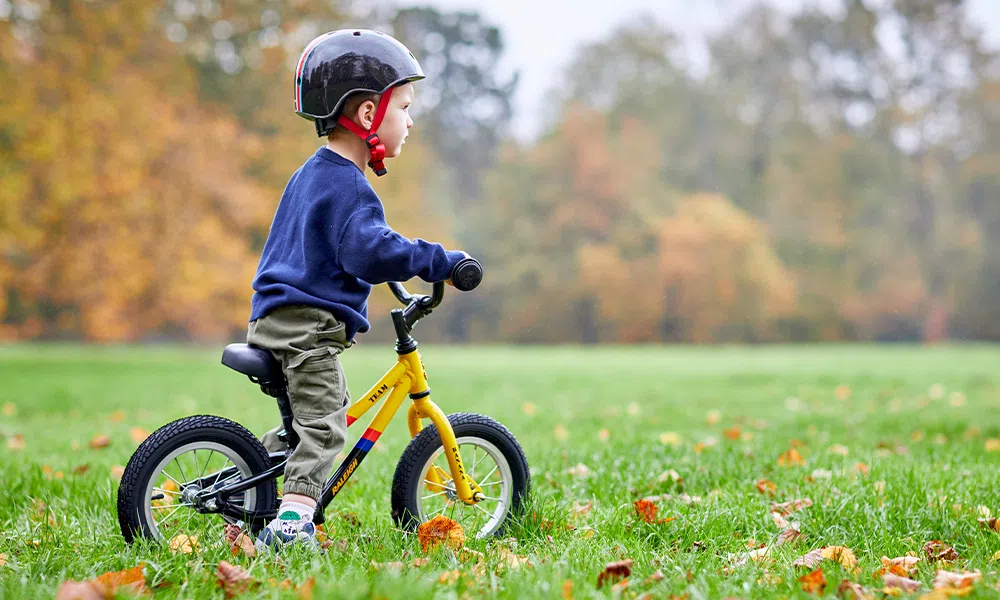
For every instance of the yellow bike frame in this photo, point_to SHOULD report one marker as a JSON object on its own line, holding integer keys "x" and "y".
{"x": 407, "y": 376}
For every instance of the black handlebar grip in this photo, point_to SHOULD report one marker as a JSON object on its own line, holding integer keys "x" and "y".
{"x": 467, "y": 274}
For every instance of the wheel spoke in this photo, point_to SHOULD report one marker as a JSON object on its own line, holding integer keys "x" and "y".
{"x": 171, "y": 514}
{"x": 484, "y": 511}
{"x": 180, "y": 486}
{"x": 432, "y": 495}
{"x": 162, "y": 506}
{"x": 202, "y": 474}
{"x": 472, "y": 473}
{"x": 487, "y": 478}
{"x": 171, "y": 492}
{"x": 428, "y": 481}
{"x": 500, "y": 500}
{"x": 181, "y": 469}
{"x": 482, "y": 485}
{"x": 219, "y": 474}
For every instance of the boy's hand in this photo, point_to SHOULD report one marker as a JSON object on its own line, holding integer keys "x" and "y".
{"x": 448, "y": 281}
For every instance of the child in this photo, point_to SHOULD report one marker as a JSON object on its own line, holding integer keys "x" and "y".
{"x": 328, "y": 244}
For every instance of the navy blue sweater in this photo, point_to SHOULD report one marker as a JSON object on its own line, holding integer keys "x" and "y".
{"x": 329, "y": 243}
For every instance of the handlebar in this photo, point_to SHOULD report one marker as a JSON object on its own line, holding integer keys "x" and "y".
{"x": 465, "y": 276}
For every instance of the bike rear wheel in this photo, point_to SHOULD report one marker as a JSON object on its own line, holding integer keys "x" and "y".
{"x": 491, "y": 456}
{"x": 180, "y": 460}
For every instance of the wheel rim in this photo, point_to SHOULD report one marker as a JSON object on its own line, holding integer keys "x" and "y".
{"x": 170, "y": 514}
{"x": 485, "y": 464}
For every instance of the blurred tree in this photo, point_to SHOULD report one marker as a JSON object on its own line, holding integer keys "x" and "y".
{"x": 117, "y": 221}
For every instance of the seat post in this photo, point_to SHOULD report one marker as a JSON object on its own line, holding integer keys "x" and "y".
{"x": 285, "y": 408}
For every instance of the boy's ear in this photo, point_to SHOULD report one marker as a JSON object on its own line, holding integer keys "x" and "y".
{"x": 366, "y": 114}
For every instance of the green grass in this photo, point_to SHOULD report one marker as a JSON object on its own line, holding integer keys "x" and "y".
{"x": 918, "y": 418}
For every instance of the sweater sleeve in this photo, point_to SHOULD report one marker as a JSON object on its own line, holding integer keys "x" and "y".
{"x": 371, "y": 251}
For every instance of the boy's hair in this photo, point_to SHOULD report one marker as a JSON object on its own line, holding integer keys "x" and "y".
{"x": 350, "y": 107}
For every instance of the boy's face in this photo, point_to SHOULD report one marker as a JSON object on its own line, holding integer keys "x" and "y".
{"x": 397, "y": 122}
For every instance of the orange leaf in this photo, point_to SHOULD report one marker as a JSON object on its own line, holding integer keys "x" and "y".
{"x": 787, "y": 508}
{"x": 16, "y": 442}
{"x": 567, "y": 589}
{"x": 792, "y": 458}
{"x": 766, "y": 487}
{"x": 131, "y": 579}
{"x": 732, "y": 433}
{"x": 813, "y": 582}
{"x": 100, "y": 441}
{"x": 646, "y": 509}
{"x": 233, "y": 580}
{"x": 992, "y": 524}
{"x": 81, "y": 590}
{"x": 615, "y": 571}
{"x": 440, "y": 529}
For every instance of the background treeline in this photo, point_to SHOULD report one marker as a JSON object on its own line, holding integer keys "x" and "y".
{"x": 824, "y": 176}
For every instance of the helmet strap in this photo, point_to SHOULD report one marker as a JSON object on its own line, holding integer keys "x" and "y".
{"x": 375, "y": 146}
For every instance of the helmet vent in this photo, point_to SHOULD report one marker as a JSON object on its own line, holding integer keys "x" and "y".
{"x": 358, "y": 33}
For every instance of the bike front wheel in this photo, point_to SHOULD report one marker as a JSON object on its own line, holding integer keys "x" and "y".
{"x": 491, "y": 456}
{"x": 178, "y": 462}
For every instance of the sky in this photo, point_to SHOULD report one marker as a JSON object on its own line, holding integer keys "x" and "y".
{"x": 541, "y": 36}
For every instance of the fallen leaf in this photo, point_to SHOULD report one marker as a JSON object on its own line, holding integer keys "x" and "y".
{"x": 528, "y": 408}
{"x": 842, "y": 391}
{"x": 848, "y": 590}
{"x": 449, "y": 577}
{"x": 655, "y": 577}
{"x": 240, "y": 542}
{"x": 603, "y": 435}
{"x": 117, "y": 472}
{"x": 779, "y": 520}
{"x": 615, "y": 571}
{"x": 579, "y": 470}
{"x": 993, "y": 445}
{"x": 633, "y": 409}
{"x": 766, "y": 487}
{"x": 100, "y": 441}
{"x": 791, "y": 458}
{"x": 792, "y": 506}
{"x": 560, "y": 433}
{"x": 842, "y": 555}
{"x": 670, "y": 475}
{"x": 991, "y": 524}
{"x": 567, "y": 589}
{"x": 15, "y": 442}
{"x": 860, "y": 468}
{"x": 81, "y": 590}
{"x": 813, "y": 582}
{"x": 117, "y": 417}
{"x": 619, "y": 587}
{"x": 184, "y": 544}
{"x": 133, "y": 580}
{"x": 732, "y": 433}
{"x": 439, "y": 530}
{"x": 9, "y": 409}
{"x": 233, "y": 580}
{"x": 138, "y": 434}
{"x": 904, "y": 566}
{"x": 581, "y": 508}
{"x": 647, "y": 509}
{"x": 713, "y": 417}
{"x": 788, "y": 536}
{"x": 80, "y": 469}
{"x": 892, "y": 581}
{"x": 956, "y": 584}
{"x": 810, "y": 559}
{"x": 937, "y": 550}
{"x": 3, "y": 559}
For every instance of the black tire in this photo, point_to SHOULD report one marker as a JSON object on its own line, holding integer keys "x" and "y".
{"x": 407, "y": 483}
{"x": 133, "y": 516}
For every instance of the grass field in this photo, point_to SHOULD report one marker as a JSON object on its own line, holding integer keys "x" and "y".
{"x": 703, "y": 425}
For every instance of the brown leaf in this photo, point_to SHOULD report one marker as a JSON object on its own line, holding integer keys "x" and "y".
{"x": 306, "y": 589}
{"x": 100, "y": 441}
{"x": 82, "y": 590}
{"x": 184, "y": 544}
{"x": 117, "y": 472}
{"x": 788, "y": 536}
{"x": 3, "y": 559}
{"x": 842, "y": 555}
{"x": 655, "y": 577}
{"x": 732, "y": 433}
{"x": 80, "y": 469}
{"x": 581, "y": 508}
{"x": 615, "y": 571}
{"x": 848, "y": 590}
{"x": 239, "y": 541}
{"x": 117, "y": 417}
{"x": 937, "y": 550}
{"x": 440, "y": 529}
{"x": 233, "y": 580}
{"x": 449, "y": 577}
{"x": 810, "y": 559}
{"x": 813, "y": 582}
{"x": 787, "y": 508}
{"x": 892, "y": 581}
{"x": 956, "y": 584}
{"x": 991, "y": 524}
{"x": 766, "y": 487}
